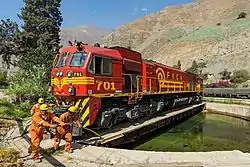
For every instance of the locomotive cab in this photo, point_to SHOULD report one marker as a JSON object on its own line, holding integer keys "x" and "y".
{"x": 83, "y": 70}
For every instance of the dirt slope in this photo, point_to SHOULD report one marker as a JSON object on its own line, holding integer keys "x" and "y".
{"x": 205, "y": 29}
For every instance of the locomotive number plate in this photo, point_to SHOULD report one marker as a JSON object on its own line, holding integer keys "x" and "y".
{"x": 77, "y": 74}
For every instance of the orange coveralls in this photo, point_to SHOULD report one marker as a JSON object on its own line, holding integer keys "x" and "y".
{"x": 65, "y": 131}
{"x": 37, "y": 128}
{"x": 35, "y": 108}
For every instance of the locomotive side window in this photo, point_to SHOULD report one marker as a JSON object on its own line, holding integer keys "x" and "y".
{"x": 100, "y": 65}
{"x": 91, "y": 66}
{"x": 78, "y": 59}
{"x": 106, "y": 66}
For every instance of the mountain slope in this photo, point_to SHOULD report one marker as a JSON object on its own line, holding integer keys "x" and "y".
{"x": 86, "y": 34}
{"x": 206, "y": 29}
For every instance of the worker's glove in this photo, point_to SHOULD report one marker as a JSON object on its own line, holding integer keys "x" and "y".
{"x": 63, "y": 124}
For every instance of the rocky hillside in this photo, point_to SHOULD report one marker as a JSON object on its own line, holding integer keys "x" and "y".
{"x": 203, "y": 30}
{"x": 86, "y": 34}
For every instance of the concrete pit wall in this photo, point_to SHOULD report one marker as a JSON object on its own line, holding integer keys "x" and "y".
{"x": 234, "y": 110}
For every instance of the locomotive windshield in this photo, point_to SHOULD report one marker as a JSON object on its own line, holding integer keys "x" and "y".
{"x": 78, "y": 59}
{"x": 63, "y": 59}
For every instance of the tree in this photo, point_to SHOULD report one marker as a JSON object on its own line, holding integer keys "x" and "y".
{"x": 42, "y": 20}
{"x": 197, "y": 69}
{"x": 194, "y": 68}
{"x": 8, "y": 36}
{"x": 225, "y": 75}
{"x": 239, "y": 76}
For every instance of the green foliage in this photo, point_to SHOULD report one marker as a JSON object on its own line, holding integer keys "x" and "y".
{"x": 204, "y": 33}
{"x": 194, "y": 69}
{"x": 172, "y": 34}
{"x": 3, "y": 79}
{"x": 225, "y": 75}
{"x": 9, "y": 110}
{"x": 8, "y": 37}
{"x": 32, "y": 49}
{"x": 245, "y": 85}
{"x": 28, "y": 85}
{"x": 197, "y": 69}
{"x": 217, "y": 32}
{"x": 239, "y": 76}
{"x": 40, "y": 35}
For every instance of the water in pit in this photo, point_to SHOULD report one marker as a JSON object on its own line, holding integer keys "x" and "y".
{"x": 203, "y": 132}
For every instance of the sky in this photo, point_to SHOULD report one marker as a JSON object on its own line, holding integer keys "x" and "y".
{"x": 99, "y": 13}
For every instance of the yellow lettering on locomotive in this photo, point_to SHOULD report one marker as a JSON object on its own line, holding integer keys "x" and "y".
{"x": 99, "y": 84}
{"x": 173, "y": 76}
{"x": 164, "y": 82}
{"x": 77, "y": 74}
{"x": 167, "y": 75}
{"x": 105, "y": 85}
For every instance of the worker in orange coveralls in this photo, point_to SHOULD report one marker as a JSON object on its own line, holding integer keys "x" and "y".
{"x": 36, "y": 107}
{"x": 40, "y": 120}
{"x": 65, "y": 131}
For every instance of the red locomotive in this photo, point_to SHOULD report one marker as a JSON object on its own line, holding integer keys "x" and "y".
{"x": 110, "y": 85}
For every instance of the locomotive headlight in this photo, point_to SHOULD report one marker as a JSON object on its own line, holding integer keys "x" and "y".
{"x": 57, "y": 73}
{"x": 61, "y": 73}
{"x": 70, "y": 89}
{"x": 69, "y": 74}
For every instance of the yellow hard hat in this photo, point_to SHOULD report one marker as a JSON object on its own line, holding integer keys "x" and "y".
{"x": 44, "y": 107}
{"x": 40, "y": 100}
{"x": 72, "y": 109}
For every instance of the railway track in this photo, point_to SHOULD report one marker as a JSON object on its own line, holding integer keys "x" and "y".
{"x": 128, "y": 132}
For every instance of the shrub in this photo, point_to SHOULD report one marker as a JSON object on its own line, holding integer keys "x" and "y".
{"x": 242, "y": 15}
{"x": 225, "y": 75}
{"x": 239, "y": 76}
{"x": 28, "y": 85}
{"x": 9, "y": 110}
{"x": 3, "y": 79}
{"x": 9, "y": 155}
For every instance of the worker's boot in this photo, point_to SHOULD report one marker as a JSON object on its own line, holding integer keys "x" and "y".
{"x": 69, "y": 151}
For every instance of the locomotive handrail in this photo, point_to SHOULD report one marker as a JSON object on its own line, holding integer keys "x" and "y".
{"x": 176, "y": 84}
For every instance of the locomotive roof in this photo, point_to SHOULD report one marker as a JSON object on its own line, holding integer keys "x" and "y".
{"x": 97, "y": 50}
{"x": 160, "y": 64}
